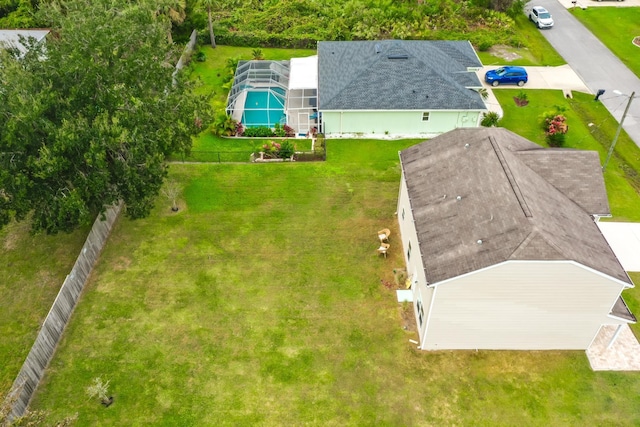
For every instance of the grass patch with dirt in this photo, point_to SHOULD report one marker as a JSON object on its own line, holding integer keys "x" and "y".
{"x": 539, "y": 51}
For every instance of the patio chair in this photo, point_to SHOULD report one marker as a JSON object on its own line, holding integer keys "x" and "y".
{"x": 384, "y": 247}
{"x": 384, "y": 234}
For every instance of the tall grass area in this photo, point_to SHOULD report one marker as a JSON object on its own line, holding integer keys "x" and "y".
{"x": 591, "y": 127}
{"x": 615, "y": 27}
{"x": 260, "y": 303}
{"x": 538, "y": 51}
{"x": 32, "y": 269}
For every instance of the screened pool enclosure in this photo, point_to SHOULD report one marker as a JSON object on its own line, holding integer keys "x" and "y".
{"x": 266, "y": 93}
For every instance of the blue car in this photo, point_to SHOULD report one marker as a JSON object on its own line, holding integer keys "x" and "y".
{"x": 506, "y": 75}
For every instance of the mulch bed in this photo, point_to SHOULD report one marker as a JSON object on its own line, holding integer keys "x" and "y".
{"x": 520, "y": 102}
{"x": 636, "y": 41}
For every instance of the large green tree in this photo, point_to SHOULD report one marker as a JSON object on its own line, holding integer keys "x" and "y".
{"x": 89, "y": 119}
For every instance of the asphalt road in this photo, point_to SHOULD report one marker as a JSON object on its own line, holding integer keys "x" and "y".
{"x": 595, "y": 64}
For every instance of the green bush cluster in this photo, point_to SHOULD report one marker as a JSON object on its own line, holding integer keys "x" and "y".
{"x": 258, "y": 132}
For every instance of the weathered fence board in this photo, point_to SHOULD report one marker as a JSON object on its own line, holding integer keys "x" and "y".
{"x": 53, "y": 326}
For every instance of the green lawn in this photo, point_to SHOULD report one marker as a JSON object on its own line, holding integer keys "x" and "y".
{"x": 260, "y": 303}
{"x": 616, "y": 28}
{"x": 32, "y": 269}
{"x": 621, "y": 178}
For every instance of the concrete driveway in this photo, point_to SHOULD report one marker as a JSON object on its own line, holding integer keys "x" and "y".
{"x": 624, "y": 239}
{"x": 561, "y": 78}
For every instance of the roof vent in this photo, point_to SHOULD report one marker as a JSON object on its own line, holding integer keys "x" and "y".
{"x": 466, "y": 145}
{"x": 459, "y": 198}
{"x": 398, "y": 56}
{"x": 378, "y": 48}
{"x": 479, "y": 241}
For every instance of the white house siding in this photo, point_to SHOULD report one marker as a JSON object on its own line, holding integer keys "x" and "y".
{"x": 522, "y": 305}
{"x": 414, "y": 263}
{"x": 396, "y": 122}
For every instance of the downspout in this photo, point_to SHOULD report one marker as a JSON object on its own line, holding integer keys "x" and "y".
{"x": 426, "y": 325}
{"x": 615, "y": 336}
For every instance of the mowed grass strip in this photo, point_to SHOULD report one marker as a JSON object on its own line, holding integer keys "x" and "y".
{"x": 616, "y": 27}
{"x": 32, "y": 269}
{"x": 260, "y": 303}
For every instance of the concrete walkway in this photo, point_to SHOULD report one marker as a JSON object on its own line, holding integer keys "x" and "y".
{"x": 624, "y": 354}
{"x": 594, "y": 63}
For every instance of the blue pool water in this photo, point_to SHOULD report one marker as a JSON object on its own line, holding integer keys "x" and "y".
{"x": 263, "y": 108}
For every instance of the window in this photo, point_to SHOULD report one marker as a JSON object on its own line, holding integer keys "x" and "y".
{"x": 425, "y": 116}
{"x": 420, "y": 312}
{"x": 409, "y": 252}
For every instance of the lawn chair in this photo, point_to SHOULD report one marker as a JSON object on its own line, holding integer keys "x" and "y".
{"x": 384, "y": 234}
{"x": 384, "y": 247}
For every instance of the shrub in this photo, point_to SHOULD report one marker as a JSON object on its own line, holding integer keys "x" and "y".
{"x": 555, "y": 129}
{"x": 278, "y": 150}
{"x": 224, "y": 125}
{"x": 257, "y": 54}
{"x": 201, "y": 57}
{"x": 287, "y": 149}
{"x": 522, "y": 96}
{"x": 490, "y": 119}
{"x": 279, "y": 130}
{"x": 289, "y": 131}
{"x": 258, "y": 132}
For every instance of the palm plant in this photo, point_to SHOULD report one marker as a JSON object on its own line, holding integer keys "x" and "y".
{"x": 209, "y": 4}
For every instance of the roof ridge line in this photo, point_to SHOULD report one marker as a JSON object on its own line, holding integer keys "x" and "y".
{"x": 512, "y": 181}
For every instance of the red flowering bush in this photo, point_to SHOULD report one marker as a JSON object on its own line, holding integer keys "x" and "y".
{"x": 555, "y": 127}
{"x": 276, "y": 150}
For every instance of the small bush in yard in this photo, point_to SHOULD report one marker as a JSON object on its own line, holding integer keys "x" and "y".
{"x": 490, "y": 119}
{"x": 258, "y": 132}
{"x": 278, "y": 150}
{"x": 555, "y": 129}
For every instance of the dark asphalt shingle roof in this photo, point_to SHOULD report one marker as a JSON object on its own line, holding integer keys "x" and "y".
{"x": 524, "y": 202}
{"x": 426, "y": 75}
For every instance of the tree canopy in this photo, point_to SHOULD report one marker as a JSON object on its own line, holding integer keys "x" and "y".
{"x": 88, "y": 118}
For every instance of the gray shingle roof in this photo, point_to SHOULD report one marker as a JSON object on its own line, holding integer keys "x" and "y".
{"x": 425, "y": 75}
{"x": 524, "y": 202}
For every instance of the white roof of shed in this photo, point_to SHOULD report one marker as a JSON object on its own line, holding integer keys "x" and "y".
{"x": 304, "y": 73}
{"x": 11, "y": 38}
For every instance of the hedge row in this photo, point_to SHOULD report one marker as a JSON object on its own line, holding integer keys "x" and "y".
{"x": 257, "y": 39}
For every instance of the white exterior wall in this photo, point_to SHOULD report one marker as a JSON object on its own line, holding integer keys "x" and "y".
{"x": 522, "y": 305}
{"x": 414, "y": 264}
{"x": 396, "y": 122}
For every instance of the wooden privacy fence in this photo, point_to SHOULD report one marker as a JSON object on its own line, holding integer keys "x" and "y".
{"x": 186, "y": 54}
{"x": 45, "y": 344}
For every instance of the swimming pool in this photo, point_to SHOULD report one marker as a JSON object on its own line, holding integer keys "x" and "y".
{"x": 263, "y": 107}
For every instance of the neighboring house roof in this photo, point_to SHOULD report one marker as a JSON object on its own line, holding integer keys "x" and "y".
{"x": 11, "y": 38}
{"x": 398, "y": 75}
{"x": 482, "y": 196}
